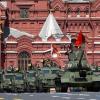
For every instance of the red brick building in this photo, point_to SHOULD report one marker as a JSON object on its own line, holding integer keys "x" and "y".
{"x": 26, "y": 19}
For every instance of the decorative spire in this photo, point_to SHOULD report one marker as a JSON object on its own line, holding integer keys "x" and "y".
{"x": 49, "y": 28}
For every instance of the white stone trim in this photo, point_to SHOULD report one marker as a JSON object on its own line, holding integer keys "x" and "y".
{"x": 14, "y": 42}
{"x": 69, "y": 15}
{"x": 89, "y": 52}
{"x": 87, "y": 16}
{"x": 42, "y": 51}
{"x": 96, "y": 42}
{"x": 97, "y": 37}
{"x": 46, "y": 51}
{"x": 39, "y": 42}
{"x": 62, "y": 51}
{"x": 11, "y": 42}
{"x": 95, "y": 17}
{"x": 11, "y": 52}
{"x": 81, "y": 17}
{"x": 78, "y": 16}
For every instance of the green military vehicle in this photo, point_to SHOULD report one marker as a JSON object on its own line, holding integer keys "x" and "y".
{"x": 8, "y": 80}
{"x": 78, "y": 73}
{"x": 1, "y": 81}
{"x": 19, "y": 82}
{"x": 49, "y": 78}
{"x": 96, "y": 79}
{"x": 30, "y": 81}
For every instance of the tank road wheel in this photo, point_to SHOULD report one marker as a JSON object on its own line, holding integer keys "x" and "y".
{"x": 90, "y": 89}
{"x": 64, "y": 87}
{"x": 58, "y": 89}
{"x": 39, "y": 88}
{"x": 58, "y": 85}
{"x": 95, "y": 89}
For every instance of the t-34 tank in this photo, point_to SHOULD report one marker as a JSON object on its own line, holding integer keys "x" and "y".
{"x": 78, "y": 72}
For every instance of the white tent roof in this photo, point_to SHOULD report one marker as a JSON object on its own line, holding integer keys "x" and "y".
{"x": 49, "y": 28}
{"x": 17, "y": 33}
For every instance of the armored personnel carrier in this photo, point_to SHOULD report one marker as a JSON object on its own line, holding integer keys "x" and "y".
{"x": 49, "y": 78}
{"x": 19, "y": 84}
{"x": 8, "y": 80}
{"x": 30, "y": 81}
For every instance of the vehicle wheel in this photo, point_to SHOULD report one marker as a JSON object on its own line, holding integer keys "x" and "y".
{"x": 90, "y": 89}
{"x": 96, "y": 89}
{"x": 64, "y": 87}
{"x": 58, "y": 85}
{"x": 39, "y": 88}
{"x": 58, "y": 89}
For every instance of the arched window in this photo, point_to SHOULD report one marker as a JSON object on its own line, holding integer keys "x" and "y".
{"x": 24, "y": 60}
{"x": 87, "y": 11}
{"x": 69, "y": 11}
{"x": 24, "y": 12}
{"x": 78, "y": 11}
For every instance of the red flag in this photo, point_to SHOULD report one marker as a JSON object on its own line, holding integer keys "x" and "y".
{"x": 79, "y": 40}
{"x": 54, "y": 51}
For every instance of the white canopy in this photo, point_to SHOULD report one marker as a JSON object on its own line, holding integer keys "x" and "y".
{"x": 49, "y": 28}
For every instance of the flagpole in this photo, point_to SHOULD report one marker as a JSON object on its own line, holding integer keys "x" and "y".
{"x": 51, "y": 50}
{"x": 93, "y": 30}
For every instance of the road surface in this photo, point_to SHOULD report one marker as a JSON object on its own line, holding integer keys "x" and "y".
{"x": 50, "y": 96}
